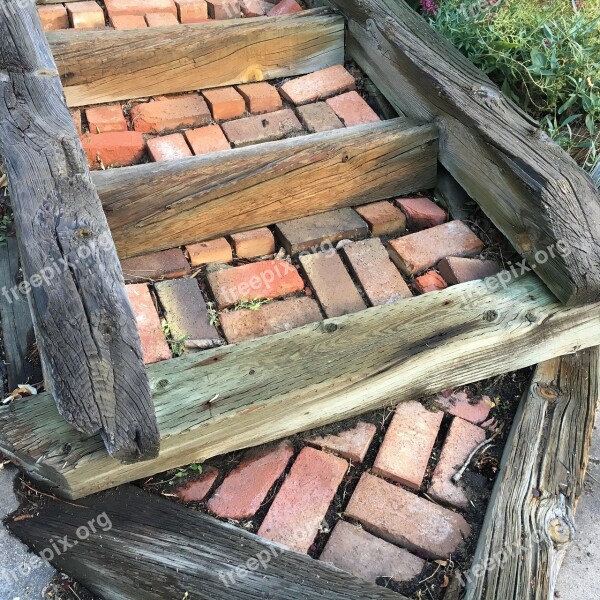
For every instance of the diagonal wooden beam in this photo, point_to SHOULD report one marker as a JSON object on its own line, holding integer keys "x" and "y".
{"x": 85, "y": 327}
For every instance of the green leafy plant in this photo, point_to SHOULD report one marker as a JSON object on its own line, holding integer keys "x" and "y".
{"x": 4, "y": 223}
{"x": 176, "y": 343}
{"x": 213, "y": 315}
{"x": 254, "y": 304}
{"x": 181, "y": 473}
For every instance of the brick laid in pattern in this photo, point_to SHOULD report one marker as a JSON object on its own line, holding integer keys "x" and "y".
{"x": 225, "y": 103}
{"x": 352, "y": 444}
{"x": 407, "y": 446}
{"x": 429, "y": 282}
{"x": 161, "y": 19}
{"x": 401, "y": 517}
{"x": 253, "y": 243}
{"x": 207, "y": 139}
{"x": 460, "y": 270}
{"x": 168, "y": 147}
{"x": 463, "y": 438}
{"x": 260, "y": 97}
{"x": 224, "y": 9}
{"x": 245, "y": 489}
{"x": 422, "y": 212}
{"x": 154, "y": 344}
{"x": 418, "y": 251}
{"x": 275, "y": 317}
{"x": 260, "y": 280}
{"x": 285, "y": 7}
{"x": 262, "y": 128}
{"x": 352, "y": 109}
{"x": 303, "y": 500}
{"x": 255, "y": 8}
{"x": 54, "y": 17}
{"x": 85, "y": 15}
{"x": 186, "y": 313}
{"x": 332, "y": 284}
{"x": 117, "y": 149}
{"x": 197, "y": 490}
{"x": 213, "y": 251}
{"x": 125, "y": 22}
{"x": 192, "y": 11}
{"x": 139, "y": 7}
{"x": 319, "y": 117}
{"x": 356, "y": 551}
{"x": 104, "y": 119}
{"x": 461, "y": 404}
{"x": 383, "y": 218}
{"x": 325, "y": 229}
{"x": 379, "y": 278}
{"x": 158, "y": 265}
{"x": 170, "y": 113}
{"x": 318, "y": 85}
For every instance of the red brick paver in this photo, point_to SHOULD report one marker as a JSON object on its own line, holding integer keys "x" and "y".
{"x": 318, "y": 85}
{"x": 53, "y": 17}
{"x": 85, "y": 15}
{"x": 285, "y": 7}
{"x": 260, "y": 280}
{"x": 356, "y": 551}
{"x": 245, "y": 489}
{"x": 383, "y": 218}
{"x": 260, "y": 97}
{"x": 319, "y": 117}
{"x": 371, "y": 265}
{"x": 225, "y": 103}
{"x": 262, "y": 128}
{"x": 352, "y": 109}
{"x": 430, "y": 282}
{"x": 125, "y": 22}
{"x": 168, "y": 147}
{"x": 255, "y": 8}
{"x": 253, "y": 243}
{"x": 192, "y": 11}
{"x": 460, "y": 270}
{"x": 352, "y": 444}
{"x": 139, "y": 7}
{"x": 161, "y": 19}
{"x": 170, "y": 113}
{"x": 418, "y": 251}
{"x": 400, "y": 517}
{"x": 213, "y": 251}
{"x": 332, "y": 284}
{"x": 463, "y": 438}
{"x": 157, "y": 265}
{"x": 303, "y": 500}
{"x": 186, "y": 313}
{"x": 154, "y": 344}
{"x": 321, "y": 231}
{"x": 224, "y": 9}
{"x": 104, "y": 119}
{"x": 117, "y": 149}
{"x": 460, "y": 404}
{"x": 422, "y": 212}
{"x": 407, "y": 446}
{"x": 275, "y": 317}
{"x": 207, "y": 139}
{"x": 197, "y": 490}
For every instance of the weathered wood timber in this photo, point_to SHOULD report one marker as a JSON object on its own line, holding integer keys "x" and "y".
{"x": 243, "y": 395}
{"x": 18, "y": 337}
{"x": 104, "y": 66}
{"x": 529, "y": 523}
{"x": 87, "y": 338}
{"x": 533, "y": 191}
{"x": 156, "y": 206}
{"x": 148, "y": 548}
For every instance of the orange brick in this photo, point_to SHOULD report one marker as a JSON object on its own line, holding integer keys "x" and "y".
{"x": 352, "y": 444}
{"x": 85, "y": 15}
{"x": 104, "y": 119}
{"x": 117, "y": 149}
{"x": 318, "y": 85}
{"x": 383, "y": 218}
{"x": 168, "y": 147}
{"x": 213, "y": 251}
{"x": 170, "y": 114}
{"x": 139, "y": 7}
{"x": 225, "y": 103}
{"x": 224, "y": 9}
{"x": 192, "y": 11}
{"x": 207, "y": 139}
{"x": 429, "y": 282}
{"x": 124, "y": 22}
{"x": 197, "y": 490}
{"x": 260, "y": 97}
{"x": 285, "y": 7}
{"x": 352, "y": 109}
{"x": 253, "y": 243}
{"x": 154, "y": 344}
{"x": 54, "y": 17}
{"x": 422, "y": 212}
{"x": 161, "y": 19}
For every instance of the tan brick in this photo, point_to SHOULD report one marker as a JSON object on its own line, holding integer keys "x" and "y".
{"x": 117, "y": 149}
{"x": 262, "y": 128}
{"x": 419, "y": 251}
{"x": 318, "y": 85}
{"x": 139, "y": 7}
{"x": 255, "y": 8}
{"x": 106, "y": 119}
{"x": 319, "y": 117}
{"x": 127, "y": 22}
{"x": 85, "y": 15}
{"x": 371, "y": 265}
{"x": 352, "y": 444}
{"x": 260, "y": 97}
{"x": 192, "y": 11}
{"x": 402, "y": 518}
{"x": 429, "y": 282}
{"x": 408, "y": 443}
{"x": 169, "y": 114}
{"x": 253, "y": 243}
{"x": 213, "y": 251}
{"x": 53, "y": 17}
{"x": 168, "y": 147}
{"x": 383, "y": 218}
{"x": 224, "y": 9}
{"x": 460, "y": 270}
{"x": 161, "y": 19}
{"x": 225, "y": 103}
{"x": 207, "y": 139}
{"x": 422, "y": 212}
{"x": 352, "y": 109}
{"x": 157, "y": 265}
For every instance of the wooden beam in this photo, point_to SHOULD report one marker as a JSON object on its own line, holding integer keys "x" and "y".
{"x": 243, "y": 395}
{"x": 530, "y": 519}
{"x": 213, "y": 560}
{"x": 161, "y": 205}
{"x": 531, "y": 189}
{"x": 86, "y": 334}
{"x": 109, "y": 65}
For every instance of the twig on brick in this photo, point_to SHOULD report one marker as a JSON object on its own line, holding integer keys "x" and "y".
{"x": 458, "y": 475}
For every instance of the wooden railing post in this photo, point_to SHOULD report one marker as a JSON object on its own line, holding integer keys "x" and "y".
{"x": 86, "y": 331}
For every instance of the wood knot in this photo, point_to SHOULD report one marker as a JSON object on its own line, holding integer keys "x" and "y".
{"x": 559, "y": 531}
{"x": 524, "y": 243}
{"x": 490, "y": 316}
{"x": 84, "y": 232}
{"x": 330, "y": 327}
{"x": 162, "y": 383}
{"x": 549, "y": 392}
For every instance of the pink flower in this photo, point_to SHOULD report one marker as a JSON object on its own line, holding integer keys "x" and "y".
{"x": 429, "y": 7}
